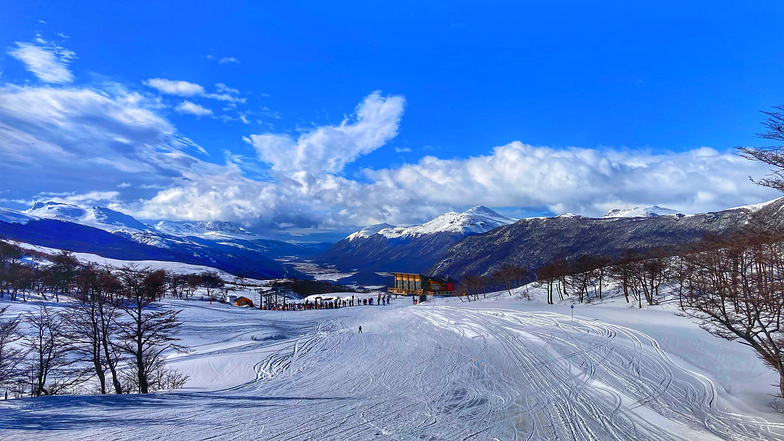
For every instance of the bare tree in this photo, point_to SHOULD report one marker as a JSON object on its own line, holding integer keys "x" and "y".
{"x": 622, "y": 272}
{"x": 21, "y": 279}
{"x": 91, "y": 322}
{"x": 211, "y": 281}
{"x": 10, "y": 353}
{"x": 50, "y": 368}
{"x": 772, "y": 155}
{"x": 146, "y": 330}
{"x": 64, "y": 267}
{"x": 473, "y": 284}
{"x": 546, "y": 277}
{"x": 510, "y": 275}
{"x": 735, "y": 288}
{"x": 193, "y": 282}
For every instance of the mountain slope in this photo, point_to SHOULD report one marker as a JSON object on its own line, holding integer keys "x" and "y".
{"x": 534, "y": 242}
{"x": 412, "y": 249}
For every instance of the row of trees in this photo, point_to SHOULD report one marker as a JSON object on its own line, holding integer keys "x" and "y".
{"x": 638, "y": 273}
{"x": 24, "y": 271}
{"x": 112, "y": 334}
{"x": 507, "y": 277}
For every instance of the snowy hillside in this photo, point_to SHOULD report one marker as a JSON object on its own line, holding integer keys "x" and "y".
{"x": 490, "y": 370}
{"x": 97, "y": 217}
{"x": 640, "y": 212}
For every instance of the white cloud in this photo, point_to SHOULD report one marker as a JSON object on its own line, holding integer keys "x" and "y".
{"x": 225, "y": 60}
{"x": 402, "y": 149}
{"x": 224, "y": 97}
{"x": 329, "y": 148}
{"x": 172, "y": 87}
{"x": 83, "y": 139}
{"x": 584, "y": 181}
{"x": 226, "y": 89}
{"x": 47, "y": 63}
{"x": 192, "y": 108}
{"x": 185, "y": 88}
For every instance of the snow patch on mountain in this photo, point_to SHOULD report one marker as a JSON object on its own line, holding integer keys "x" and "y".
{"x": 369, "y": 231}
{"x": 640, "y": 212}
{"x": 97, "y": 217}
{"x": 204, "y": 229}
{"x": 15, "y": 217}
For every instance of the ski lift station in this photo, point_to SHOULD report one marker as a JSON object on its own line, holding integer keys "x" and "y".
{"x": 416, "y": 284}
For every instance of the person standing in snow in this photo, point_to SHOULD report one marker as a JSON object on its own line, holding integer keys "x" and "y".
{"x": 360, "y": 329}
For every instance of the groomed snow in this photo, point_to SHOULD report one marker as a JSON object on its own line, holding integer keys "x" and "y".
{"x": 498, "y": 369}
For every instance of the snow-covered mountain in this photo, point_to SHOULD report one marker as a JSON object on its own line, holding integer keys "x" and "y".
{"x": 640, "y": 212}
{"x": 97, "y": 217}
{"x": 384, "y": 247}
{"x": 369, "y": 231}
{"x": 113, "y": 234}
{"x": 204, "y": 229}
{"x": 477, "y": 220}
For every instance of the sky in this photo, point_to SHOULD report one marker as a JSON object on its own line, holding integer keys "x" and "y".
{"x": 310, "y": 119}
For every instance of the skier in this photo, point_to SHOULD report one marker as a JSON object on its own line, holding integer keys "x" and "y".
{"x": 360, "y": 329}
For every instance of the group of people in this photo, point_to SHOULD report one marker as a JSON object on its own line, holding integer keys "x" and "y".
{"x": 381, "y": 300}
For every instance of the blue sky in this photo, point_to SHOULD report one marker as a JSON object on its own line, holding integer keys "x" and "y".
{"x": 313, "y": 117}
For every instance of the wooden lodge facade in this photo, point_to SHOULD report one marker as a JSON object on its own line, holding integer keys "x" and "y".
{"x": 416, "y": 284}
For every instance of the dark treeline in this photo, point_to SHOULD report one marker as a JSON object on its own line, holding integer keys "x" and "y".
{"x": 108, "y": 335}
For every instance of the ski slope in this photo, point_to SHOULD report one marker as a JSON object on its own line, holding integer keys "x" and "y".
{"x": 490, "y": 370}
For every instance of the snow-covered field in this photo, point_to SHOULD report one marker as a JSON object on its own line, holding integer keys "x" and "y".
{"x": 498, "y": 369}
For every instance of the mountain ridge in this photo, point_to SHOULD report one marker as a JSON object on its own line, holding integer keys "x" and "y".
{"x": 414, "y": 248}
{"x": 534, "y": 242}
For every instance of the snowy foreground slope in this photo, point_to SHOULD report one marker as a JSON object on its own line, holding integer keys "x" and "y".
{"x": 498, "y": 369}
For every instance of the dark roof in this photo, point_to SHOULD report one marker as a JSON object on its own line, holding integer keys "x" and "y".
{"x": 442, "y": 280}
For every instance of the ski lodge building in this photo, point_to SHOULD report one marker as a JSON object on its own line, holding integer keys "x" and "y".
{"x": 417, "y": 284}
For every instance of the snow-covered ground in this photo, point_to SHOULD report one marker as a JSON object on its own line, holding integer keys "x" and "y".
{"x": 496, "y": 369}
{"x": 87, "y": 258}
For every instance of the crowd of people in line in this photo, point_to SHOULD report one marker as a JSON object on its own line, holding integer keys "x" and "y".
{"x": 329, "y": 303}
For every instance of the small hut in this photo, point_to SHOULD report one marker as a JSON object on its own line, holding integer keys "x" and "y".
{"x": 243, "y": 301}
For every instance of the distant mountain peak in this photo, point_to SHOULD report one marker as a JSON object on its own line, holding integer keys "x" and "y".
{"x": 201, "y": 228}
{"x": 651, "y": 211}
{"x": 476, "y": 220}
{"x": 369, "y": 231}
{"x": 98, "y": 217}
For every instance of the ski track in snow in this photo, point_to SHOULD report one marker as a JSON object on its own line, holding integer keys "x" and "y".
{"x": 417, "y": 373}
